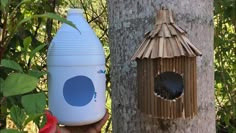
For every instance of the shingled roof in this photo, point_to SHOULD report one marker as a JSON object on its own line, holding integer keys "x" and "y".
{"x": 165, "y": 40}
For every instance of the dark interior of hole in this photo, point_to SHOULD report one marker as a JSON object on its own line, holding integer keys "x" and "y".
{"x": 169, "y": 85}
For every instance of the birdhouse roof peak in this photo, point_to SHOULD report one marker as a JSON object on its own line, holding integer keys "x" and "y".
{"x": 165, "y": 40}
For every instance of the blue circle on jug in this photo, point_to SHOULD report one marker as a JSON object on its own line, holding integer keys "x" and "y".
{"x": 78, "y": 91}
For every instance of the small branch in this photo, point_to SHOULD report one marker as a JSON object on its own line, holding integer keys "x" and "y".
{"x": 2, "y": 100}
{"x": 72, "y": 4}
{"x": 85, "y": 10}
{"x": 37, "y": 27}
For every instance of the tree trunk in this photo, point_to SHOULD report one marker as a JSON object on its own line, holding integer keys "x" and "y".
{"x": 129, "y": 20}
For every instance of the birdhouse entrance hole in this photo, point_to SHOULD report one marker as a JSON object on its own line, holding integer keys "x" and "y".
{"x": 168, "y": 85}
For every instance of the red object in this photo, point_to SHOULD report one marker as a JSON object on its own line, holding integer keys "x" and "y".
{"x": 51, "y": 124}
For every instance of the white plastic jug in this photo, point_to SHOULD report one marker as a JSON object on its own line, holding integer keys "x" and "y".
{"x": 76, "y": 73}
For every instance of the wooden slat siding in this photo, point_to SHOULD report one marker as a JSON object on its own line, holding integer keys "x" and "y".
{"x": 178, "y": 105}
{"x": 145, "y": 86}
{"x": 167, "y": 108}
{"x": 188, "y": 87}
{"x": 171, "y": 112}
{"x": 166, "y": 68}
{"x": 139, "y": 84}
{"x": 155, "y": 98}
{"x": 195, "y": 85}
{"x": 163, "y": 67}
{"x": 184, "y": 78}
{"x": 173, "y": 64}
{"x": 174, "y": 109}
{"x": 182, "y": 106}
{"x": 191, "y": 80}
{"x": 185, "y": 88}
{"x": 149, "y": 86}
{"x": 177, "y": 108}
{"x": 158, "y": 107}
{"x": 158, "y": 99}
{"x": 161, "y": 108}
{"x": 170, "y": 65}
{"x": 152, "y": 87}
{"x": 142, "y": 86}
{"x": 164, "y": 108}
{"x": 139, "y": 68}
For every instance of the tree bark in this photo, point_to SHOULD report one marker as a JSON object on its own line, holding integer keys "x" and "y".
{"x": 128, "y": 21}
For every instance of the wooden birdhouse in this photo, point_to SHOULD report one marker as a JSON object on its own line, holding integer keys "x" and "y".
{"x": 166, "y": 71}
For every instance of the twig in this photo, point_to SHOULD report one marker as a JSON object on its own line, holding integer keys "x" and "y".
{"x": 2, "y": 100}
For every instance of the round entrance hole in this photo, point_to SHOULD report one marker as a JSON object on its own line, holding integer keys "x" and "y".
{"x": 169, "y": 85}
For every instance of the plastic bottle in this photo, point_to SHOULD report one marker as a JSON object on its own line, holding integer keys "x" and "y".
{"x": 76, "y": 73}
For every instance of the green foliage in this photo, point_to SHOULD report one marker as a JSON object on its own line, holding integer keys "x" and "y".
{"x": 225, "y": 64}
{"x": 18, "y": 116}
{"x": 11, "y": 64}
{"x": 18, "y": 83}
{"x": 34, "y": 103}
{"x": 24, "y": 38}
{"x": 10, "y": 131}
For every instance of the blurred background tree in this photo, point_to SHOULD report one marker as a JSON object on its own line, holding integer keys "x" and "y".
{"x": 225, "y": 64}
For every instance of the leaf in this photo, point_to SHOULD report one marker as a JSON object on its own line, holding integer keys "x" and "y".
{"x": 57, "y": 17}
{"x": 17, "y": 83}
{"x": 36, "y": 73}
{"x": 32, "y": 118}
{"x": 9, "y": 131}
{"x": 14, "y": 10}
{"x": 43, "y": 122}
{"x": 26, "y": 42}
{"x": 47, "y": 15}
{"x": 22, "y": 2}
{"x": 37, "y": 49}
{"x": 4, "y": 4}
{"x": 11, "y": 64}
{"x": 34, "y": 103}
{"x": 23, "y": 21}
{"x": 1, "y": 83}
{"x": 18, "y": 116}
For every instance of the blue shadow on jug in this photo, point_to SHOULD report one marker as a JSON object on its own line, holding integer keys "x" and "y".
{"x": 78, "y": 91}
